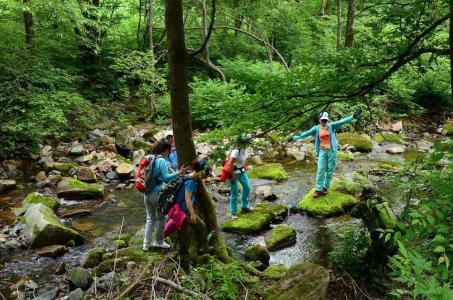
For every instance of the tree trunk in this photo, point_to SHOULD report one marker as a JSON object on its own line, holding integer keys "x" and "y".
{"x": 349, "y": 37}
{"x": 239, "y": 16}
{"x": 339, "y": 24}
{"x": 181, "y": 118}
{"x": 323, "y": 7}
{"x": 151, "y": 101}
{"x": 89, "y": 55}
{"x": 28, "y": 24}
{"x": 139, "y": 27}
{"x": 451, "y": 46}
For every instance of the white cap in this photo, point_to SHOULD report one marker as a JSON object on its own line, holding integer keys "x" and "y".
{"x": 324, "y": 116}
{"x": 168, "y": 132}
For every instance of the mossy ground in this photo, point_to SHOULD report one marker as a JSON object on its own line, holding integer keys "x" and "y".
{"x": 50, "y": 202}
{"x": 361, "y": 142}
{"x": 269, "y": 171}
{"x": 345, "y": 155}
{"x": 280, "y": 237}
{"x": 389, "y": 137}
{"x": 333, "y": 204}
{"x": 352, "y": 186}
{"x": 275, "y": 271}
{"x": 256, "y": 220}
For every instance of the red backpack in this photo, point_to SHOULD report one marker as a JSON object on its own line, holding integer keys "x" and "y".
{"x": 144, "y": 179}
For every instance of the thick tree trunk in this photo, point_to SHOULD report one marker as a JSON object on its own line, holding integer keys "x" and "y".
{"x": 339, "y": 24}
{"x": 180, "y": 111}
{"x": 28, "y": 24}
{"x": 349, "y": 37}
{"x": 451, "y": 46}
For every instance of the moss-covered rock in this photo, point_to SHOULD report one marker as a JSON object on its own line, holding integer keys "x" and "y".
{"x": 59, "y": 166}
{"x": 79, "y": 278}
{"x": 41, "y": 228}
{"x": 361, "y": 142}
{"x": 389, "y": 137}
{"x": 256, "y": 220}
{"x": 352, "y": 186}
{"x": 345, "y": 155}
{"x": 269, "y": 171}
{"x": 303, "y": 281}
{"x": 389, "y": 165}
{"x": 107, "y": 266}
{"x": 386, "y": 215}
{"x": 275, "y": 271}
{"x": 35, "y": 198}
{"x": 335, "y": 203}
{"x": 94, "y": 258}
{"x": 137, "y": 144}
{"x": 257, "y": 253}
{"x": 121, "y": 159}
{"x": 447, "y": 128}
{"x": 280, "y": 237}
{"x": 71, "y": 188}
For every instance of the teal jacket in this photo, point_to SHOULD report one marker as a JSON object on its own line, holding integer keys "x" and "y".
{"x": 315, "y": 131}
{"x": 160, "y": 172}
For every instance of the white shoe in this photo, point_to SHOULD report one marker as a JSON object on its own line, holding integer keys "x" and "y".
{"x": 162, "y": 245}
{"x": 234, "y": 217}
{"x": 145, "y": 247}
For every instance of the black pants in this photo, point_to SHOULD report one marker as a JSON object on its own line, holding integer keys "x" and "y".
{"x": 184, "y": 235}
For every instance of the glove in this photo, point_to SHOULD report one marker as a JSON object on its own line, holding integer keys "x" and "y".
{"x": 290, "y": 139}
{"x": 357, "y": 113}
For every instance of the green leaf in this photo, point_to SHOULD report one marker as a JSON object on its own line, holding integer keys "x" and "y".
{"x": 439, "y": 249}
{"x": 438, "y": 239}
{"x": 387, "y": 237}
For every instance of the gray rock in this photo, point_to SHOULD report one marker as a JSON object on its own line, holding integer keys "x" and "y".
{"x": 123, "y": 139}
{"x": 71, "y": 188}
{"x": 265, "y": 192}
{"x": 50, "y": 295}
{"x": 79, "y": 278}
{"x": 112, "y": 175}
{"x": 86, "y": 174}
{"x": 44, "y": 161}
{"x": 97, "y": 133}
{"x": 55, "y": 173}
{"x": 52, "y": 251}
{"x": 137, "y": 156}
{"x": 76, "y": 294}
{"x": 77, "y": 150}
{"x": 103, "y": 283}
{"x": 63, "y": 159}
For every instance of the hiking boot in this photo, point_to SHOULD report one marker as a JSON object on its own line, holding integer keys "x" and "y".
{"x": 162, "y": 245}
{"x": 317, "y": 194}
{"x": 246, "y": 210}
{"x": 324, "y": 191}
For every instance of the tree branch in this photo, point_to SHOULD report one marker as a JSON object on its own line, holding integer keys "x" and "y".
{"x": 210, "y": 28}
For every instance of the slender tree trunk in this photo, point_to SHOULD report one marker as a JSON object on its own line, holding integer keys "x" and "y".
{"x": 139, "y": 26}
{"x": 339, "y": 24}
{"x": 451, "y": 46}
{"x": 349, "y": 37}
{"x": 151, "y": 100}
{"x": 28, "y": 24}
{"x": 239, "y": 16}
{"x": 181, "y": 118}
{"x": 323, "y": 7}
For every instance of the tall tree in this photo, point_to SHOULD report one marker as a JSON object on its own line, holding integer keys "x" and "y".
{"x": 28, "y": 25}
{"x": 339, "y": 24}
{"x": 450, "y": 35}
{"x": 239, "y": 17}
{"x": 349, "y": 37}
{"x": 151, "y": 98}
{"x": 181, "y": 117}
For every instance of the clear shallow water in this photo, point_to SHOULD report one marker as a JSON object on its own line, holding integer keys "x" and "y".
{"x": 107, "y": 218}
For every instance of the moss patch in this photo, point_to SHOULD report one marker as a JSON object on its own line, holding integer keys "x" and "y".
{"x": 447, "y": 128}
{"x": 50, "y": 202}
{"x": 94, "y": 258}
{"x": 256, "y": 220}
{"x": 345, "y": 155}
{"x": 280, "y": 237}
{"x": 335, "y": 203}
{"x": 353, "y": 186}
{"x": 141, "y": 145}
{"x": 389, "y": 137}
{"x": 275, "y": 271}
{"x": 74, "y": 189}
{"x": 361, "y": 142}
{"x": 257, "y": 253}
{"x": 269, "y": 171}
{"x": 389, "y": 165}
{"x": 122, "y": 159}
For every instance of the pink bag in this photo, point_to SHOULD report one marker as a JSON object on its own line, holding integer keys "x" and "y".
{"x": 176, "y": 217}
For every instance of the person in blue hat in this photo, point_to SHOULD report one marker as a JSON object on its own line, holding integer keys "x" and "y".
{"x": 326, "y": 148}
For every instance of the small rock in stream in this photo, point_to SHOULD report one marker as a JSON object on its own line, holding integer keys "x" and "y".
{"x": 60, "y": 268}
{"x": 50, "y": 295}
{"x": 79, "y": 278}
{"x": 52, "y": 251}
{"x": 76, "y": 294}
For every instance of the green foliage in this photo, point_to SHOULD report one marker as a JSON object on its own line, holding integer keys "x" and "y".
{"x": 350, "y": 250}
{"x": 422, "y": 266}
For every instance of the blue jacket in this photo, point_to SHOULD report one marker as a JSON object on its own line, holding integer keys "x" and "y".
{"x": 160, "y": 172}
{"x": 315, "y": 131}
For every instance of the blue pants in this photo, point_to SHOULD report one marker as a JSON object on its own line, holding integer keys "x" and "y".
{"x": 327, "y": 161}
{"x": 244, "y": 180}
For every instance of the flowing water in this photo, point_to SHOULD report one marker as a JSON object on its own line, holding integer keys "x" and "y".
{"x": 126, "y": 210}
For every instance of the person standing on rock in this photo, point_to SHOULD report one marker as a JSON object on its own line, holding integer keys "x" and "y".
{"x": 154, "y": 218}
{"x": 173, "y": 156}
{"x": 238, "y": 172}
{"x": 326, "y": 149}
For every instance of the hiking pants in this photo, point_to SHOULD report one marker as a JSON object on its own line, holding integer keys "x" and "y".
{"x": 244, "y": 180}
{"x": 154, "y": 219}
{"x": 184, "y": 235}
{"x": 327, "y": 161}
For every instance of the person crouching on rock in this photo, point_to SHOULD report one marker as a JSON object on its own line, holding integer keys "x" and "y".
{"x": 238, "y": 173}
{"x": 185, "y": 199}
{"x": 154, "y": 218}
{"x": 326, "y": 149}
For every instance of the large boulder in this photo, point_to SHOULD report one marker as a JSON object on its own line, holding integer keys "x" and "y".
{"x": 257, "y": 253}
{"x": 361, "y": 142}
{"x": 41, "y": 228}
{"x": 280, "y": 237}
{"x": 388, "y": 137}
{"x": 269, "y": 171}
{"x": 275, "y": 271}
{"x": 86, "y": 174}
{"x": 7, "y": 185}
{"x": 302, "y": 281}
{"x": 257, "y": 220}
{"x": 335, "y": 203}
{"x": 123, "y": 139}
{"x": 35, "y": 198}
{"x": 70, "y": 188}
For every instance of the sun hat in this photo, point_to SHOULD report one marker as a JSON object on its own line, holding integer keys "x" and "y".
{"x": 324, "y": 116}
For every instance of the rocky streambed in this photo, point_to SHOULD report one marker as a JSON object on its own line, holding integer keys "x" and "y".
{"x": 85, "y": 199}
